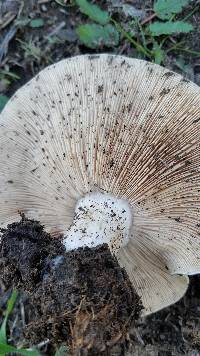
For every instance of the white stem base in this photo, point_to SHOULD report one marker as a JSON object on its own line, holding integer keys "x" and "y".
{"x": 99, "y": 218}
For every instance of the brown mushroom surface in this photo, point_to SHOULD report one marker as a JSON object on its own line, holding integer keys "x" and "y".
{"x": 115, "y": 125}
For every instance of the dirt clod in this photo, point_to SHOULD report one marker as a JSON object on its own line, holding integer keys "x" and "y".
{"x": 82, "y": 298}
{"x": 25, "y": 248}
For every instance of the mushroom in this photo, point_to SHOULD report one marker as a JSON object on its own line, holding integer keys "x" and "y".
{"x": 105, "y": 149}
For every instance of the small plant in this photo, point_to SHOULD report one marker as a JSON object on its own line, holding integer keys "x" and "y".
{"x": 147, "y": 39}
{"x": 37, "y": 52}
{"x": 5, "y": 348}
{"x": 31, "y": 50}
{"x": 93, "y": 35}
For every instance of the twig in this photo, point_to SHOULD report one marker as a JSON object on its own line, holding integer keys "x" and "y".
{"x": 123, "y": 48}
{"x": 7, "y": 21}
{"x": 195, "y": 53}
{"x": 4, "y": 45}
{"x": 22, "y": 313}
{"x": 20, "y": 9}
{"x": 56, "y": 30}
{"x": 138, "y": 336}
{"x": 40, "y": 2}
{"x": 148, "y": 19}
{"x": 191, "y": 13}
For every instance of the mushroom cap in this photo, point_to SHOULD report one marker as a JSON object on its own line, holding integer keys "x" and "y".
{"x": 117, "y": 125}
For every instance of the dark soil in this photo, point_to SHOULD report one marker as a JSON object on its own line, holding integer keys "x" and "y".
{"x": 174, "y": 331}
{"x": 83, "y": 298}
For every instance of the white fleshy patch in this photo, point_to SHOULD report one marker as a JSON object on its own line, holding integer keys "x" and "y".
{"x": 99, "y": 218}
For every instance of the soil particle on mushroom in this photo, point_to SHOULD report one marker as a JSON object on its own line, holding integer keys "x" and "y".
{"x": 82, "y": 298}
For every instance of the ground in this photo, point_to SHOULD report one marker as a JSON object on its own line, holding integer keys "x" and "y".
{"x": 26, "y": 49}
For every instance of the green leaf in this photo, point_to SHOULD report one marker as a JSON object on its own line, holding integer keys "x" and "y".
{"x": 158, "y": 53}
{"x": 94, "y": 36}
{"x": 3, "y": 337}
{"x": 62, "y": 351}
{"x": 93, "y": 12}
{"x": 36, "y": 23}
{"x": 167, "y": 28}
{"x": 11, "y": 303}
{"x": 3, "y": 101}
{"x": 164, "y": 9}
{"x": 10, "y": 306}
{"x": 5, "y": 349}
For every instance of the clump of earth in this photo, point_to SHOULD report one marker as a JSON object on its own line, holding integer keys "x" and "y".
{"x": 82, "y": 298}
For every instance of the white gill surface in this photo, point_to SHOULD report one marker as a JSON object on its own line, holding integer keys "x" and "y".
{"x": 121, "y": 126}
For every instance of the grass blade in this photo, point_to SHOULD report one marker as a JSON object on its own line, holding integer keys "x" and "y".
{"x": 5, "y": 349}
{"x": 10, "y": 306}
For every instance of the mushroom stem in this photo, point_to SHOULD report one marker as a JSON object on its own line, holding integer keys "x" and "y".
{"x": 99, "y": 218}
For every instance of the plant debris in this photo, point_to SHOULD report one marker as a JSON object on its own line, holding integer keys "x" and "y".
{"x": 34, "y": 34}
